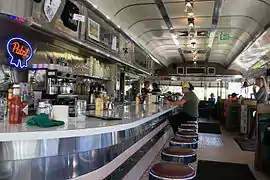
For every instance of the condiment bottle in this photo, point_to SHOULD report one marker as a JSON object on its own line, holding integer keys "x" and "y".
{"x": 138, "y": 99}
{"x": 15, "y": 109}
{"x": 25, "y": 104}
{"x": 9, "y": 96}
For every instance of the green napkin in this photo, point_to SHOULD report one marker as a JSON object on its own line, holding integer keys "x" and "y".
{"x": 42, "y": 120}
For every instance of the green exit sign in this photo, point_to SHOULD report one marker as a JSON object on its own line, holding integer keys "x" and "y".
{"x": 224, "y": 37}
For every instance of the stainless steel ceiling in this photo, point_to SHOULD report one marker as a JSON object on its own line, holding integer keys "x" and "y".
{"x": 143, "y": 20}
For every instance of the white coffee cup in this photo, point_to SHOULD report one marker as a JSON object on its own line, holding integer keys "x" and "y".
{"x": 60, "y": 113}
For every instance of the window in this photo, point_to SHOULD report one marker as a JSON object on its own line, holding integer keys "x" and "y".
{"x": 199, "y": 91}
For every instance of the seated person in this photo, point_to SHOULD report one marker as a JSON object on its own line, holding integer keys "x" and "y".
{"x": 234, "y": 97}
{"x": 212, "y": 99}
{"x": 156, "y": 89}
{"x": 190, "y": 104}
{"x": 226, "y": 104}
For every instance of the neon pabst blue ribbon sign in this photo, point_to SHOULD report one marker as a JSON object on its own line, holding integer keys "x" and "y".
{"x": 20, "y": 52}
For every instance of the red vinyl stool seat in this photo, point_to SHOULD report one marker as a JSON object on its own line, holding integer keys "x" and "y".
{"x": 171, "y": 171}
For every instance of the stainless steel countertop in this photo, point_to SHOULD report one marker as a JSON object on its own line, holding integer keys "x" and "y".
{"x": 132, "y": 116}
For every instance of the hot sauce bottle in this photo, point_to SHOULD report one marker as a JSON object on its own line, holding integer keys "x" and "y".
{"x": 15, "y": 109}
{"x": 24, "y": 104}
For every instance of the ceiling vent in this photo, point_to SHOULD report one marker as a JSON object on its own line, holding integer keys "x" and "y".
{"x": 201, "y": 51}
{"x": 198, "y": 33}
{"x": 203, "y": 33}
{"x": 182, "y": 33}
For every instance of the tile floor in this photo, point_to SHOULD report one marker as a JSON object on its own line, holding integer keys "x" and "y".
{"x": 219, "y": 148}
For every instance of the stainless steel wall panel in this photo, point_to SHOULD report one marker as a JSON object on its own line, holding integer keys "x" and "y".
{"x": 20, "y": 8}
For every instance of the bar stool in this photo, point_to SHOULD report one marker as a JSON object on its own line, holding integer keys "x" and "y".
{"x": 184, "y": 142}
{"x": 172, "y": 171}
{"x": 188, "y": 134}
{"x": 178, "y": 155}
{"x": 191, "y": 122}
{"x": 189, "y": 125}
{"x": 187, "y": 128}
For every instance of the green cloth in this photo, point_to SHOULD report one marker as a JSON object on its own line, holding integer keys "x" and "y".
{"x": 191, "y": 105}
{"x": 42, "y": 120}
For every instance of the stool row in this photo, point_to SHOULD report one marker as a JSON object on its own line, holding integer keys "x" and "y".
{"x": 178, "y": 155}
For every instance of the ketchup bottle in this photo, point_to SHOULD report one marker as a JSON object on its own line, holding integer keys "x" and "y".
{"x": 15, "y": 109}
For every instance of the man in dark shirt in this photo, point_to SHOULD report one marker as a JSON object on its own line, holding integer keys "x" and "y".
{"x": 155, "y": 90}
{"x": 190, "y": 104}
{"x": 146, "y": 88}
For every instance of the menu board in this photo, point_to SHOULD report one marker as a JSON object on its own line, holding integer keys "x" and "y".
{"x": 93, "y": 29}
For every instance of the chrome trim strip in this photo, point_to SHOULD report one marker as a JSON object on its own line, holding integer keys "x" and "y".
{"x": 174, "y": 142}
{"x": 179, "y": 156}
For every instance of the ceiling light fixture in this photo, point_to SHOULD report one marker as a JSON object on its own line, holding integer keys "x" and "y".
{"x": 176, "y": 42}
{"x": 188, "y": 6}
{"x": 174, "y": 36}
{"x": 190, "y": 14}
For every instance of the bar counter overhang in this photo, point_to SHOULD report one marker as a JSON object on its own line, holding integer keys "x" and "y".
{"x": 79, "y": 149}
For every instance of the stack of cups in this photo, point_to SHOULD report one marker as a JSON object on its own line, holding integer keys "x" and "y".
{"x": 60, "y": 113}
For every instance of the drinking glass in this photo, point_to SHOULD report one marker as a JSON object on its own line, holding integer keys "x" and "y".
{"x": 3, "y": 105}
{"x": 80, "y": 108}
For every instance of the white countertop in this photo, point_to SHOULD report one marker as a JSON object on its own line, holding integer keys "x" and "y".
{"x": 132, "y": 116}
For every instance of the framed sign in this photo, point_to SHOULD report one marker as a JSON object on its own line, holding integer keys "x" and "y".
{"x": 93, "y": 29}
{"x": 19, "y": 51}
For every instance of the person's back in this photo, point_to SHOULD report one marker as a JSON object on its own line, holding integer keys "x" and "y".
{"x": 191, "y": 105}
{"x": 262, "y": 96}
